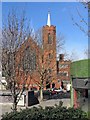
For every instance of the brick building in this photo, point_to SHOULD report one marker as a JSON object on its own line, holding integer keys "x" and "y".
{"x": 63, "y": 70}
{"x": 26, "y": 58}
{"x": 49, "y": 47}
{"x": 42, "y": 61}
{"x": 57, "y": 71}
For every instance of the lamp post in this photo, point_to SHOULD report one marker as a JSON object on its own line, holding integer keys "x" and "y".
{"x": 71, "y": 92}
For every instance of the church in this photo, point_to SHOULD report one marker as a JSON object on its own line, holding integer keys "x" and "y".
{"x": 40, "y": 66}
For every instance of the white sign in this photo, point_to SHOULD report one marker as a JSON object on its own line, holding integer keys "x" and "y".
{"x": 68, "y": 87}
{"x": 21, "y": 101}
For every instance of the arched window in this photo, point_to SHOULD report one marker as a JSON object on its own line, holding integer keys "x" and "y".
{"x": 50, "y": 55}
{"x": 47, "y": 84}
{"x": 50, "y": 70}
{"x": 49, "y": 39}
{"x": 53, "y": 85}
{"x": 29, "y": 59}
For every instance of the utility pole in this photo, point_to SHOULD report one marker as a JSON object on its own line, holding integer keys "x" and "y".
{"x": 71, "y": 92}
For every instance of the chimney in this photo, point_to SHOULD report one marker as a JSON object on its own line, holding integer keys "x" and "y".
{"x": 61, "y": 57}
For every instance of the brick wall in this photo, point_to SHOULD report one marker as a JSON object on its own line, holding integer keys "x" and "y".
{"x": 63, "y": 69}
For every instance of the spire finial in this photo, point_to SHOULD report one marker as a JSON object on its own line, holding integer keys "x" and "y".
{"x": 48, "y": 20}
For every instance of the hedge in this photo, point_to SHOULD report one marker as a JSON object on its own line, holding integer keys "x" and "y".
{"x": 47, "y": 113}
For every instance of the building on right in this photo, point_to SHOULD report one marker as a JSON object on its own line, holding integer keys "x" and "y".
{"x": 80, "y": 84}
{"x": 63, "y": 71}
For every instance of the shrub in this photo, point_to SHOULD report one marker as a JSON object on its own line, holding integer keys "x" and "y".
{"x": 49, "y": 113}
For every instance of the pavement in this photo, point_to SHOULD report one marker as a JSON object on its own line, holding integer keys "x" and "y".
{"x": 6, "y": 102}
{"x": 6, "y": 107}
{"x": 52, "y": 102}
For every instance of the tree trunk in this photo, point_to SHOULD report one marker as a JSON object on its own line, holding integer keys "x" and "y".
{"x": 14, "y": 107}
{"x": 41, "y": 94}
{"x": 15, "y": 104}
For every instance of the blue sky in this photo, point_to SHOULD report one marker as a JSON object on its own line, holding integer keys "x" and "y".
{"x": 75, "y": 40}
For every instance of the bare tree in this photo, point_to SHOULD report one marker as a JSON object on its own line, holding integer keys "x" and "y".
{"x": 87, "y": 53}
{"x": 22, "y": 63}
{"x": 46, "y": 71}
{"x": 14, "y": 33}
{"x": 0, "y": 50}
{"x": 73, "y": 56}
{"x": 60, "y": 42}
{"x": 83, "y": 24}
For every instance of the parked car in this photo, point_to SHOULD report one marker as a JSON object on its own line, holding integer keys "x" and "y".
{"x": 56, "y": 91}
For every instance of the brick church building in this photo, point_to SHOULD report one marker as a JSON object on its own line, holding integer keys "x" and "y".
{"x": 44, "y": 66}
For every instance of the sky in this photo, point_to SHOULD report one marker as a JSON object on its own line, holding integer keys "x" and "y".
{"x": 75, "y": 40}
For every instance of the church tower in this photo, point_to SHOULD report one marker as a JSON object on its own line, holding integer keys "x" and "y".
{"x": 49, "y": 48}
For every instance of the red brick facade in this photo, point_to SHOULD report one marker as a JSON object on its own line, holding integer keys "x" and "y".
{"x": 22, "y": 75}
{"x": 63, "y": 70}
{"x": 49, "y": 47}
{"x": 57, "y": 70}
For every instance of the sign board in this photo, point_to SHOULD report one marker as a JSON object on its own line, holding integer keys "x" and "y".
{"x": 21, "y": 101}
{"x": 31, "y": 99}
{"x": 3, "y": 83}
{"x": 81, "y": 83}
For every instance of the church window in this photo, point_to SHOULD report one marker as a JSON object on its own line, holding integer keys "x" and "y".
{"x": 29, "y": 59}
{"x": 65, "y": 73}
{"x": 63, "y": 65}
{"x": 50, "y": 55}
{"x": 49, "y": 39}
{"x": 49, "y": 70}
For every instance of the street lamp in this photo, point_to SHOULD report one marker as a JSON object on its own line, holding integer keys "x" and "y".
{"x": 71, "y": 91}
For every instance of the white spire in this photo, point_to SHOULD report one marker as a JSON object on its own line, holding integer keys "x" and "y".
{"x": 48, "y": 20}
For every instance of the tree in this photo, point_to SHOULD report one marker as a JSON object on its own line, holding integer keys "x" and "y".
{"x": 60, "y": 42}
{"x": 46, "y": 71}
{"x": 82, "y": 24}
{"x": 87, "y": 53}
{"x": 14, "y": 33}
{"x": 73, "y": 56}
{"x": 0, "y": 50}
{"x": 23, "y": 59}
